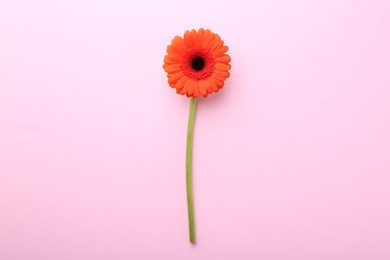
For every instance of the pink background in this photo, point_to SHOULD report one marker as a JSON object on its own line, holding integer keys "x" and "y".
{"x": 292, "y": 157}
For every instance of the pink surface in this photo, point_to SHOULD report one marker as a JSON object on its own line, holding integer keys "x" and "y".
{"x": 292, "y": 157}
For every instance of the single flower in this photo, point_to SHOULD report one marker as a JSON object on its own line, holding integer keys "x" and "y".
{"x": 197, "y": 64}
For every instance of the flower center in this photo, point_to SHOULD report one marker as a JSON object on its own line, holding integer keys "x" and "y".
{"x": 197, "y": 63}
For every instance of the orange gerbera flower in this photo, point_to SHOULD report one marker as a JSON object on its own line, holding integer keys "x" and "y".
{"x": 197, "y": 64}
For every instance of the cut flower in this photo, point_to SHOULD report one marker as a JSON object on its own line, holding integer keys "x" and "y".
{"x": 197, "y": 64}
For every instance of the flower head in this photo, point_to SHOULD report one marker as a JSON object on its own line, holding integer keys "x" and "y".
{"x": 197, "y": 64}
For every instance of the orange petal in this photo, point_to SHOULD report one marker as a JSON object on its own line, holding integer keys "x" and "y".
{"x": 221, "y": 73}
{"x": 196, "y": 89}
{"x": 191, "y": 87}
{"x": 189, "y": 40}
{"x": 180, "y": 83}
{"x": 223, "y": 58}
{"x": 196, "y": 38}
{"x": 220, "y": 51}
{"x": 216, "y": 43}
{"x": 215, "y": 84}
{"x": 173, "y": 59}
{"x": 207, "y": 37}
{"x": 176, "y": 50}
{"x": 211, "y": 85}
{"x": 223, "y": 66}
{"x": 172, "y": 68}
{"x": 200, "y": 37}
{"x": 203, "y": 87}
{"x": 185, "y": 87}
{"x": 173, "y": 78}
{"x": 218, "y": 80}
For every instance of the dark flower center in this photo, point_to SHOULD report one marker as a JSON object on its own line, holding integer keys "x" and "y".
{"x": 197, "y": 63}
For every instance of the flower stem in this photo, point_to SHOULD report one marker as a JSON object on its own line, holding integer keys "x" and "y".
{"x": 190, "y": 199}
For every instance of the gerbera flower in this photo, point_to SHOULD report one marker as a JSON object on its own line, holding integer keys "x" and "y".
{"x": 197, "y": 64}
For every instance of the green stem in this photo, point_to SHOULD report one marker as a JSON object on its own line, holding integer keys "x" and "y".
{"x": 190, "y": 198}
